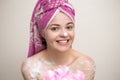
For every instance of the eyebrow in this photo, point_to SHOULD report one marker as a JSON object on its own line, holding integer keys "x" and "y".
{"x": 70, "y": 23}
{"x": 59, "y": 25}
{"x": 54, "y": 25}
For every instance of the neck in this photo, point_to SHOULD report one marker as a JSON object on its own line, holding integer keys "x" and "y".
{"x": 59, "y": 58}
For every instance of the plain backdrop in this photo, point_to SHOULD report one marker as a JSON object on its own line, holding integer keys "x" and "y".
{"x": 97, "y": 35}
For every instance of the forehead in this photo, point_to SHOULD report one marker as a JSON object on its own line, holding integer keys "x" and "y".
{"x": 61, "y": 18}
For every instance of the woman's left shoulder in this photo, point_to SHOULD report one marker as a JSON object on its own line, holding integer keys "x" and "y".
{"x": 86, "y": 64}
{"x": 85, "y": 60}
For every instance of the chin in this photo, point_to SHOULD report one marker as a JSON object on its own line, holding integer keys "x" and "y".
{"x": 63, "y": 49}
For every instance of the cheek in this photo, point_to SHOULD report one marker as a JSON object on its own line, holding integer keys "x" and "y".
{"x": 72, "y": 34}
{"x": 49, "y": 36}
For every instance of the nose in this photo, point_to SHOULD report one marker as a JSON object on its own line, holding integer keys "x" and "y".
{"x": 64, "y": 33}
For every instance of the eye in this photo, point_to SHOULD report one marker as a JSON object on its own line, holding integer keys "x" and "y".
{"x": 54, "y": 28}
{"x": 69, "y": 27}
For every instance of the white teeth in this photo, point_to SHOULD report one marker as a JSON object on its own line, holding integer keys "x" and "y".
{"x": 63, "y": 41}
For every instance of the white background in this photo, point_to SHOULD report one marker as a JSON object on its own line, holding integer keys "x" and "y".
{"x": 97, "y": 35}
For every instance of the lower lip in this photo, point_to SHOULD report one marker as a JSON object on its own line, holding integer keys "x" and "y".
{"x": 63, "y": 44}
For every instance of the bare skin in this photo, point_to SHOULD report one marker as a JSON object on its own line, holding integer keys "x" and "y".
{"x": 59, "y": 36}
{"x": 77, "y": 61}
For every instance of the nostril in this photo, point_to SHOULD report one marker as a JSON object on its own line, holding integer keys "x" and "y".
{"x": 65, "y": 34}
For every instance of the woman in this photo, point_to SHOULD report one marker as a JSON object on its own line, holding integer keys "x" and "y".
{"x": 52, "y": 35}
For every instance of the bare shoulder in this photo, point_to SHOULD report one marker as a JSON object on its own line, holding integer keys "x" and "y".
{"x": 27, "y": 63}
{"x": 86, "y": 64}
{"x": 85, "y": 59}
{"x": 30, "y": 65}
{"x": 25, "y": 70}
{"x": 26, "y": 67}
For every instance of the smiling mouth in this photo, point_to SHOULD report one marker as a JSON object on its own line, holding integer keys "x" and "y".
{"x": 62, "y": 41}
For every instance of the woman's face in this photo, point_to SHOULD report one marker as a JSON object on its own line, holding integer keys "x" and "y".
{"x": 59, "y": 34}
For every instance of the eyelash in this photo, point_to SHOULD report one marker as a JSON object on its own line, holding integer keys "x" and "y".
{"x": 69, "y": 27}
{"x": 54, "y": 28}
{"x": 57, "y": 28}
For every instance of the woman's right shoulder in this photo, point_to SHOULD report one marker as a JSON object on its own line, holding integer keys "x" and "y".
{"x": 25, "y": 68}
{"x": 29, "y": 65}
{"x": 26, "y": 65}
{"x": 32, "y": 60}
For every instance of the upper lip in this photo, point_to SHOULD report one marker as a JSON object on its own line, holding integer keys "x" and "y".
{"x": 63, "y": 40}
